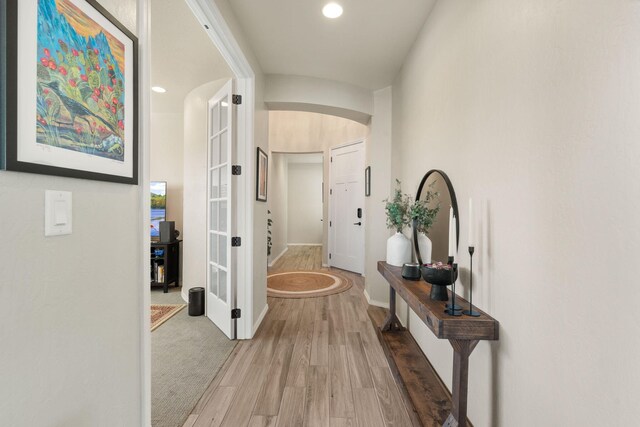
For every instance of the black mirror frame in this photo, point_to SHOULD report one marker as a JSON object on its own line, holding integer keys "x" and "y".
{"x": 454, "y": 204}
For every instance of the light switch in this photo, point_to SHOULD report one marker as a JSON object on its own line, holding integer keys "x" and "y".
{"x": 57, "y": 213}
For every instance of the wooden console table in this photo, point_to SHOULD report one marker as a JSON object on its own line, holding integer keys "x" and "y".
{"x": 463, "y": 332}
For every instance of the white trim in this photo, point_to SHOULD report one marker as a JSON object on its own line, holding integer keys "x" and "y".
{"x": 208, "y": 14}
{"x": 383, "y": 305}
{"x": 374, "y": 302}
{"x": 346, "y": 144}
{"x": 144, "y": 162}
{"x": 304, "y": 244}
{"x": 256, "y": 325}
{"x": 326, "y": 265}
{"x": 286, "y": 248}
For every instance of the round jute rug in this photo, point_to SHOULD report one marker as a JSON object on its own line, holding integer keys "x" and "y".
{"x": 306, "y": 284}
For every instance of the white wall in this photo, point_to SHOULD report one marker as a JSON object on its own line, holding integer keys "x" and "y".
{"x": 304, "y": 210}
{"x": 378, "y": 155}
{"x": 304, "y": 132}
{"x": 194, "y": 245}
{"x": 167, "y": 134}
{"x": 277, "y": 197}
{"x": 70, "y": 326}
{"x": 531, "y": 107}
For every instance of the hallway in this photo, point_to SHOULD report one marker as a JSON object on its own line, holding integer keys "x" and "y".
{"x": 314, "y": 361}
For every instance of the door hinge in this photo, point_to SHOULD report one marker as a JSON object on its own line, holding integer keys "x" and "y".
{"x": 236, "y": 170}
{"x": 236, "y": 99}
{"x": 235, "y": 313}
{"x": 236, "y": 241}
{"x": 331, "y": 159}
{"x": 330, "y": 224}
{"x": 330, "y": 191}
{"x": 329, "y": 256}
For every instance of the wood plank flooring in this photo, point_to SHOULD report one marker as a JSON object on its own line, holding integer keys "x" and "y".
{"x": 313, "y": 362}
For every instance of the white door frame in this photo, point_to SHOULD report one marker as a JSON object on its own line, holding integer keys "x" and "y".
{"x": 210, "y": 16}
{"x": 329, "y": 237}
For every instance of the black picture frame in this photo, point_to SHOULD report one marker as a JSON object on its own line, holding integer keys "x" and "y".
{"x": 367, "y": 181}
{"x": 262, "y": 175}
{"x": 91, "y": 166}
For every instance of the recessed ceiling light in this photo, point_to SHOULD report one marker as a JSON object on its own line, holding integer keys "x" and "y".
{"x": 332, "y": 10}
{"x": 158, "y": 89}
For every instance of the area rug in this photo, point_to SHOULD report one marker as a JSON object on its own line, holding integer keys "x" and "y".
{"x": 306, "y": 284}
{"x": 160, "y": 313}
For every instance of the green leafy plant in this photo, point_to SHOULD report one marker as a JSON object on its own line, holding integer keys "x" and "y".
{"x": 269, "y": 224}
{"x": 398, "y": 209}
{"x": 421, "y": 214}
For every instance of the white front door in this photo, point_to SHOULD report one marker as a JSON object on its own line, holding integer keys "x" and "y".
{"x": 346, "y": 227}
{"x": 220, "y": 275}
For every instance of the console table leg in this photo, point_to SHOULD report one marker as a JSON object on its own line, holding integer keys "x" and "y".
{"x": 391, "y": 323}
{"x": 461, "y": 351}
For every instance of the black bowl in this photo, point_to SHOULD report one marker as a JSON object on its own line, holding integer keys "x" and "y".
{"x": 439, "y": 276}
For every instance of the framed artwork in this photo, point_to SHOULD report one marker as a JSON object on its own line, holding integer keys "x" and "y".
{"x": 261, "y": 176}
{"x": 71, "y": 91}
{"x": 367, "y": 181}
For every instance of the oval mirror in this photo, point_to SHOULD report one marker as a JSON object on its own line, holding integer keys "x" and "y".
{"x": 435, "y": 190}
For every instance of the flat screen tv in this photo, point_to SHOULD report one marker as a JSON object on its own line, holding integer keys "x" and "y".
{"x": 158, "y": 207}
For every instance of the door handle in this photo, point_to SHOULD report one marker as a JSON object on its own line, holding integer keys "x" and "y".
{"x": 357, "y": 223}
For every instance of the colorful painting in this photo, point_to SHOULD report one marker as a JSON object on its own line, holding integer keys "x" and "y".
{"x": 71, "y": 85}
{"x": 80, "y": 82}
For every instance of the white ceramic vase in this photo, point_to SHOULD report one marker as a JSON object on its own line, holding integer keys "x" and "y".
{"x": 398, "y": 250}
{"x": 424, "y": 244}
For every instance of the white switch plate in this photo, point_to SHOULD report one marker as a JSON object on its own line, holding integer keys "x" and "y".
{"x": 57, "y": 213}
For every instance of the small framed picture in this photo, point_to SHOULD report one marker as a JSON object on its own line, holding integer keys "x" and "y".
{"x": 72, "y": 102}
{"x": 367, "y": 181}
{"x": 261, "y": 176}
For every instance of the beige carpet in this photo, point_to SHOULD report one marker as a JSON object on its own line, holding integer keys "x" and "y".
{"x": 306, "y": 284}
{"x": 160, "y": 313}
{"x": 186, "y": 353}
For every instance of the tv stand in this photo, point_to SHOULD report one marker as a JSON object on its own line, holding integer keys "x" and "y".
{"x": 165, "y": 264}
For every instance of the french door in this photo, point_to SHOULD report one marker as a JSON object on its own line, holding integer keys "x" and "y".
{"x": 220, "y": 275}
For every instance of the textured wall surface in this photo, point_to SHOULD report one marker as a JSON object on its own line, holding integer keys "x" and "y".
{"x": 70, "y": 326}
{"x": 532, "y": 109}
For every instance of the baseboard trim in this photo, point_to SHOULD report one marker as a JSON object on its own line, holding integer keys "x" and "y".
{"x": 286, "y": 248}
{"x": 260, "y": 319}
{"x": 325, "y": 265}
{"x": 304, "y": 244}
{"x": 374, "y": 302}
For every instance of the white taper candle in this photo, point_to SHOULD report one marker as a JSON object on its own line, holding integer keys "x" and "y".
{"x": 450, "y": 231}
{"x": 472, "y": 241}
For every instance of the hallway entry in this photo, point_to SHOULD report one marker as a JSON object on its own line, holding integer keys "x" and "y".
{"x": 296, "y": 204}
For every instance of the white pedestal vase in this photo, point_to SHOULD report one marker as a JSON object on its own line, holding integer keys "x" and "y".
{"x": 398, "y": 250}
{"x": 424, "y": 244}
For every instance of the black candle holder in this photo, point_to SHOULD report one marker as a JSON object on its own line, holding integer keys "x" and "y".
{"x": 453, "y": 288}
{"x": 439, "y": 279}
{"x": 451, "y": 309}
{"x": 471, "y": 312}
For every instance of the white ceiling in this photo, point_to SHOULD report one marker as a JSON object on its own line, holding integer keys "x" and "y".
{"x": 182, "y": 55}
{"x": 364, "y": 47}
